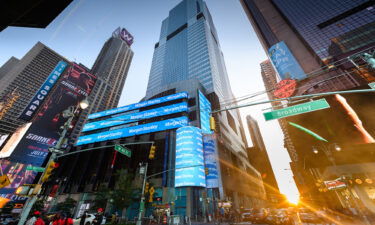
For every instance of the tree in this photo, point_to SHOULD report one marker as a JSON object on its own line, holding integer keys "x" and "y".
{"x": 121, "y": 196}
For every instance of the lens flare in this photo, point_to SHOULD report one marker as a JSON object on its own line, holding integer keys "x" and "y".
{"x": 292, "y": 198}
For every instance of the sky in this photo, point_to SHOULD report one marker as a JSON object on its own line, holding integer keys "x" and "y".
{"x": 80, "y": 31}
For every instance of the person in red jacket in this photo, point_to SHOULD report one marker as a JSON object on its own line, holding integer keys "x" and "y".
{"x": 39, "y": 220}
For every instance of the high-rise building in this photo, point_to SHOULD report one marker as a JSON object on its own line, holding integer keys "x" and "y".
{"x": 259, "y": 159}
{"x": 328, "y": 41}
{"x": 279, "y": 21}
{"x": 21, "y": 80}
{"x": 189, "y": 49}
{"x": 111, "y": 68}
{"x": 269, "y": 77}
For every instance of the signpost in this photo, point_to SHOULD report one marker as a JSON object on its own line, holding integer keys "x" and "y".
{"x": 297, "y": 109}
{"x": 372, "y": 85}
{"x": 35, "y": 168}
{"x": 123, "y": 150}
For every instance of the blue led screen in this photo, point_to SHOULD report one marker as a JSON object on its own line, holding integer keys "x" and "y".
{"x": 285, "y": 63}
{"x": 43, "y": 91}
{"x": 139, "y": 105}
{"x": 204, "y": 113}
{"x": 166, "y": 110}
{"x": 136, "y": 130}
{"x": 189, "y": 161}
{"x": 210, "y": 159}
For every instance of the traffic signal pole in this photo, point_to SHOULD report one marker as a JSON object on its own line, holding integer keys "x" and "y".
{"x": 142, "y": 202}
{"x": 30, "y": 202}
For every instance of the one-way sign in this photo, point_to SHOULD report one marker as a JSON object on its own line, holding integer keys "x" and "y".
{"x": 123, "y": 150}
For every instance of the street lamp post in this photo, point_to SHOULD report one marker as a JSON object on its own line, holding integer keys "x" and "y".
{"x": 68, "y": 113}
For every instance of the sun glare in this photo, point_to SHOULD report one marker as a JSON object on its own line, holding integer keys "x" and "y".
{"x": 292, "y": 198}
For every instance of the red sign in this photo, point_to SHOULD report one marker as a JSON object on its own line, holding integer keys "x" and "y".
{"x": 285, "y": 88}
{"x": 334, "y": 184}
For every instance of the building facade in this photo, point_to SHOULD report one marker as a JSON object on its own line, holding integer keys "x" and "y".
{"x": 111, "y": 68}
{"x": 187, "y": 59}
{"x": 259, "y": 159}
{"x": 21, "y": 80}
{"x": 329, "y": 41}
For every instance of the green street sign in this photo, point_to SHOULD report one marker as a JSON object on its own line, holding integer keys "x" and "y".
{"x": 142, "y": 207}
{"x": 123, "y": 150}
{"x": 35, "y": 168}
{"x": 297, "y": 109}
{"x": 372, "y": 85}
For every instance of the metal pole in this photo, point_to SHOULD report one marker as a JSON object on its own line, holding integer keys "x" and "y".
{"x": 141, "y": 203}
{"x": 30, "y": 202}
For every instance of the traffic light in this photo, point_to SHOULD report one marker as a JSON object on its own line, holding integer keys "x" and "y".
{"x": 147, "y": 187}
{"x": 212, "y": 123}
{"x": 206, "y": 171}
{"x": 152, "y": 191}
{"x": 48, "y": 172}
{"x": 152, "y": 152}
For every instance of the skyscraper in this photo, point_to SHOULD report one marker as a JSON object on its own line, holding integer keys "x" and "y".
{"x": 259, "y": 159}
{"x": 309, "y": 33}
{"x": 111, "y": 68}
{"x": 23, "y": 78}
{"x": 188, "y": 51}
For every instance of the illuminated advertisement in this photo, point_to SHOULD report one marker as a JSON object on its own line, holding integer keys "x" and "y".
{"x": 132, "y": 131}
{"x": 124, "y": 35}
{"x": 189, "y": 161}
{"x": 210, "y": 160}
{"x": 42, "y": 93}
{"x": 16, "y": 137}
{"x": 285, "y": 63}
{"x": 17, "y": 174}
{"x": 139, "y": 105}
{"x": 204, "y": 113}
{"x": 7, "y": 102}
{"x": 166, "y": 110}
{"x": 73, "y": 87}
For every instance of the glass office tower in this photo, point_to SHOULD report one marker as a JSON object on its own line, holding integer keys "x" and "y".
{"x": 331, "y": 27}
{"x": 188, "y": 51}
{"x": 188, "y": 48}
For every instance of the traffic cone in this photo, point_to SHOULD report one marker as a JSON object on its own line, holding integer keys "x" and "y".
{"x": 164, "y": 219}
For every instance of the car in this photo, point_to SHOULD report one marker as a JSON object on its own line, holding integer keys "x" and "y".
{"x": 88, "y": 221}
{"x": 246, "y": 215}
{"x": 307, "y": 216}
{"x": 8, "y": 219}
{"x": 259, "y": 215}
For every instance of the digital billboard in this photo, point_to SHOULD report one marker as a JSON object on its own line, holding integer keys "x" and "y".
{"x": 73, "y": 86}
{"x": 17, "y": 174}
{"x": 43, "y": 91}
{"x": 132, "y": 131}
{"x": 204, "y": 113}
{"x": 161, "y": 111}
{"x": 13, "y": 141}
{"x": 210, "y": 160}
{"x": 284, "y": 62}
{"x": 139, "y": 105}
{"x": 189, "y": 161}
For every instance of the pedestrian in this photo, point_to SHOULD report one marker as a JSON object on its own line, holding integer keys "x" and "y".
{"x": 83, "y": 218}
{"x": 32, "y": 219}
{"x": 98, "y": 217}
{"x": 68, "y": 220}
